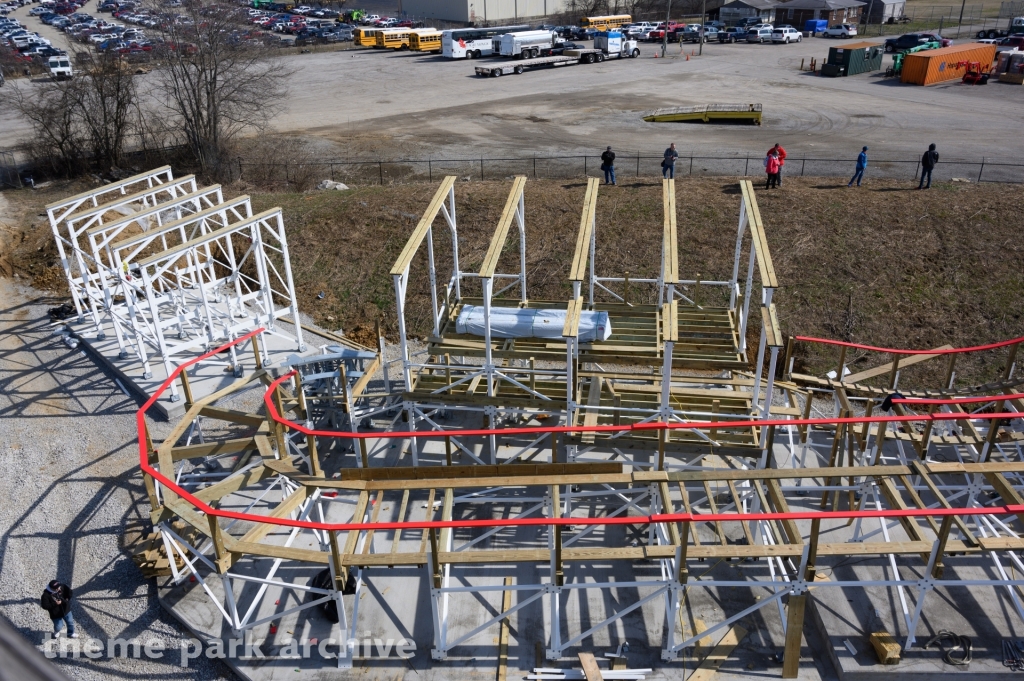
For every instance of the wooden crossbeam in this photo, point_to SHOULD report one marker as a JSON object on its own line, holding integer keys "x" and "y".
{"x": 571, "y": 329}
{"x": 490, "y": 262}
{"x": 416, "y": 238}
{"x": 757, "y": 237}
{"x": 886, "y": 369}
{"x": 773, "y": 334}
{"x": 669, "y": 247}
{"x": 580, "y": 255}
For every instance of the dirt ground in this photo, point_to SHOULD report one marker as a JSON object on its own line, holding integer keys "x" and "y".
{"x": 883, "y": 264}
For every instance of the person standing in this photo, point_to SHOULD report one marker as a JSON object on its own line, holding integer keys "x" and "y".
{"x": 862, "y": 164}
{"x": 56, "y": 600}
{"x": 781, "y": 153}
{"x": 668, "y": 163}
{"x": 771, "y": 165}
{"x": 608, "y": 165}
{"x": 928, "y": 161}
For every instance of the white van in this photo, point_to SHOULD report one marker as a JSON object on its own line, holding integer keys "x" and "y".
{"x": 60, "y": 67}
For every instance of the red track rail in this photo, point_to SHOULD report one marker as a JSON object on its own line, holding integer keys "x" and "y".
{"x": 895, "y": 351}
{"x": 169, "y": 484}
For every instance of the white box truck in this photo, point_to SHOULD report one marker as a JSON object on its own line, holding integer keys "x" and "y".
{"x": 526, "y": 45}
{"x": 614, "y": 45}
{"x": 60, "y": 67}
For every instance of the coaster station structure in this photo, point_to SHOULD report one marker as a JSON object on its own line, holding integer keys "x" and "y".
{"x": 521, "y": 378}
{"x": 173, "y": 269}
{"x": 636, "y": 501}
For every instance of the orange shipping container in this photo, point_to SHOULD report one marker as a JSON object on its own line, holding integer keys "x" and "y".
{"x": 935, "y": 66}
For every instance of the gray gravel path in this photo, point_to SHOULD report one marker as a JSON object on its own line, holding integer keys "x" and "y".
{"x": 69, "y": 496}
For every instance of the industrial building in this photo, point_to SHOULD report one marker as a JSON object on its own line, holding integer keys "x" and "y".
{"x": 481, "y": 11}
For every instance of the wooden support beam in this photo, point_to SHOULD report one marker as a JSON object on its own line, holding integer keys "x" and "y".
{"x": 707, "y": 669}
{"x": 490, "y": 262}
{"x": 506, "y": 603}
{"x": 590, "y": 669}
{"x": 416, "y": 238}
{"x": 578, "y": 271}
{"x": 794, "y": 634}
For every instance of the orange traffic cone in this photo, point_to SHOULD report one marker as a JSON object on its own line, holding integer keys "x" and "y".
{"x": 687, "y": 57}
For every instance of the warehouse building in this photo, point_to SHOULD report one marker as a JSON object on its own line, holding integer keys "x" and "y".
{"x": 796, "y": 12}
{"x": 481, "y": 11}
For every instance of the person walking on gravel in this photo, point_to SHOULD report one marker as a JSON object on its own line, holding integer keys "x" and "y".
{"x": 862, "y": 164}
{"x": 781, "y": 153}
{"x": 668, "y": 164}
{"x": 928, "y": 161}
{"x": 608, "y": 165}
{"x": 56, "y": 600}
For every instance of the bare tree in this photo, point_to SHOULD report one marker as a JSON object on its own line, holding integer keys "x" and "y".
{"x": 58, "y": 138}
{"x": 216, "y": 83}
{"x": 108, "y": 106}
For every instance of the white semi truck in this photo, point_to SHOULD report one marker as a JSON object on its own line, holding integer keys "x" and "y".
{"x": 607, "y": 45}
{"x": 526, "y": 45}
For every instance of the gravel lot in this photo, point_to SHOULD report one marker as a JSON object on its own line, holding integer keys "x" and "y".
{"x": 70, "y": 498}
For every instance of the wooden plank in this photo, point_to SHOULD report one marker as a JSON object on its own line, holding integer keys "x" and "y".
{"x": 232, "y": 415}
{"x": 794, "y": 634}
{"x": 670, "y": 322}
{"x": 886, "y": 369}
{"x": 275, "y": 551}
{"x": 773, "y": 334}
{"x": 593, "y": 402}
{"x": 669, "y": 245}
{"x": 590, "y": 669}
{"x": 416, "y": 238}
{"x": 571, "y": 329}
{"x": 231, "y": 485}
{"x": 578, "y": 272}
{"x": 764, "y": 264}
{"x": 709, "y": 667}
{"x": 506, "y": 603}
{"x": 232, "y": 446}
{"x": 490, "y": 262}
{"x": 282, "y": 510}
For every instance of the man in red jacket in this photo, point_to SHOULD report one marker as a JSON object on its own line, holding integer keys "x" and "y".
{"x": 781, "y": 153}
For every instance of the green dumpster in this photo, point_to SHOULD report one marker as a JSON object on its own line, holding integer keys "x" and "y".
{"x": 851, "y": 59}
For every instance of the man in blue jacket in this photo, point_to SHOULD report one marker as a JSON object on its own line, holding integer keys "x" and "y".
{"x": 862, "y": 164}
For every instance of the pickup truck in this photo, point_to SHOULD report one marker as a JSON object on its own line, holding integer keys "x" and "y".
{"x": 658, "y": 34}
{"x": 909, "y": 40}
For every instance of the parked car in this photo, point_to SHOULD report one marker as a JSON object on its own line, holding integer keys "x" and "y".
{"x": 759, "y": 35}
{"x": 733, "y": 34}
{"x": 909, "y": 40}
{"x": 786, "y": 35}
{"x": 840, "y": 31}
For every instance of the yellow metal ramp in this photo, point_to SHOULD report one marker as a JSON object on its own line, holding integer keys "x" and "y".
{"x": 707, "y": 113}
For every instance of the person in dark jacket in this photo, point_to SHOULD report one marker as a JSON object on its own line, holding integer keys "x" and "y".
{"x": 56, "y": 600}
{"x": 668, "y": 163}
{"x": 928, "y": 161}
{"x": 862, "y": 164}
{"x": 608, "y": 165}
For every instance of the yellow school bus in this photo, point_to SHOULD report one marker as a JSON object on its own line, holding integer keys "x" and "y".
{"x": 399, "y": 38}
{"x": 606, "y": 23}
{"x": 429, "y": 41}
{"x": 365, "y": 37}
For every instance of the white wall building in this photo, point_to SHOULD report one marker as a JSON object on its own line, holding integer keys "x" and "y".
{"x": 480, "y": 11}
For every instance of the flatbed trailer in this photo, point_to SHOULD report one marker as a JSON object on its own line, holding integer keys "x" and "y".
{"x": 581, "y": 56}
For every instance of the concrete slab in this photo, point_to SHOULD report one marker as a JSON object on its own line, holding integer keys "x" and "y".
{"x": 204, "y": 379}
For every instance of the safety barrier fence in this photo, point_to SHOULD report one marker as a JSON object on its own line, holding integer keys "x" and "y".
{"x": 626, "y": 166}
{"x": 278, "y": 418}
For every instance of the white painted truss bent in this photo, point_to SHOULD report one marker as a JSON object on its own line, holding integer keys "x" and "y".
{"x": 219, "y": 284}
{"x": 70, "y": 219}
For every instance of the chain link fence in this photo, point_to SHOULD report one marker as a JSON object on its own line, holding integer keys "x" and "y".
{"x": 303, "y": 174}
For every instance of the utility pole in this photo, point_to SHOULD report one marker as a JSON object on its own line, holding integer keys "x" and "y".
{"x": 664, "y": 34}
{"x": 867, "y": 19}
{"x": 704, "y": 21}
{"x": 964, "y": 4}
